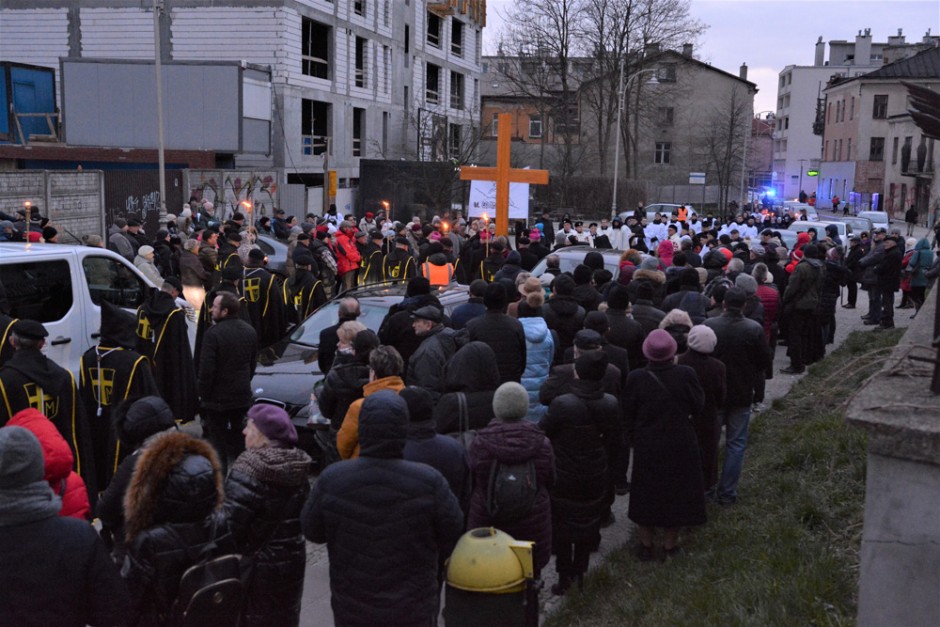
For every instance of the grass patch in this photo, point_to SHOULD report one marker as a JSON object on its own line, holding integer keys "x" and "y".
{"x": 787, "y": 553}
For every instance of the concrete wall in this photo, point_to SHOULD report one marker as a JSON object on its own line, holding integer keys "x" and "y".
{"x": 73, "y": 201}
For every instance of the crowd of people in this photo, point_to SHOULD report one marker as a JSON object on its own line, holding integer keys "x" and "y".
{"x": 583, "y": 384}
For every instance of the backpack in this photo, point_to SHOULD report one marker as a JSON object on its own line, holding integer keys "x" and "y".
{"x": 511, "y": 491}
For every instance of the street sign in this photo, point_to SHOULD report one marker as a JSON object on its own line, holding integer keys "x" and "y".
{"x": 812, "y": 173}
{"x": 696, "y": 178}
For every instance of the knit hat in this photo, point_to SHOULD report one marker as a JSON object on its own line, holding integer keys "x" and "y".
{"x": 618, "y": 297}
{"x": 256, "y": 253}
{"x": 735, "y": 298}
{"x": 510, "y": 401}
{"x": 143, "y": 251}
{"x": 420, "y": 403}
{"x": 594, "y": 260}
{"x": 21, "y": 461}
{"x": 702, "y": 339}
{"x": 597, "y": 321}
{"x": 649, "y": 263}
{"x": 582, "y": 274}
{"x": 494, "y": 297}
{"x": 120, "y": 223}
{"x": 274, "y": 423}
{"x": 138, "y": 420}
{"x": 49, "y": 233}
{"x": 659, "y": 346}
{"x": 747, "y": 283}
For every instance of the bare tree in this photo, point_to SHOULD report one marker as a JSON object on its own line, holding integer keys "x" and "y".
{"x": 723, "y": 138}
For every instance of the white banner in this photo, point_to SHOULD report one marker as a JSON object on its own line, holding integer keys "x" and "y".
{"x": 483, "y": 200}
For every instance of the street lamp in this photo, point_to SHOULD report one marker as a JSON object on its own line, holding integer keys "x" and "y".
{"x": 747, "y": 135}
{"x": 621, "y": 92}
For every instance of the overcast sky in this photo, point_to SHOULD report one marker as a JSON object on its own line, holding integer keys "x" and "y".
{"x": 769, "y": 35}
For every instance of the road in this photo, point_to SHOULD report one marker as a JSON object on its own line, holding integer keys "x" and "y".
{"x": 316, "y": 610}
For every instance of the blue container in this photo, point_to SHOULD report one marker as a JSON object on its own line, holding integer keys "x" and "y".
{"x": 26, "y": 89}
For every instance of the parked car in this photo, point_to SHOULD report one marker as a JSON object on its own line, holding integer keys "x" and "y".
{"x": 659, "y": 208}
{"x": 794, "y": 209}
{"x": 879, "y": 219}
{"x": 288, "y": 369}
{"x": 858, "y": 225}
{"x": 805, "y": 225}
{"x": 570, "y": 256}
{"x": 276, "y": 251}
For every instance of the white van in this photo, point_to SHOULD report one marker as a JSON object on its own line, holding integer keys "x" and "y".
{"x": 804, "y": 225}
{"x": 62, "y": 286}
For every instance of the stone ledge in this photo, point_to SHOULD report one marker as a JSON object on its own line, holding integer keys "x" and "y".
{"x": 900, "y": 414}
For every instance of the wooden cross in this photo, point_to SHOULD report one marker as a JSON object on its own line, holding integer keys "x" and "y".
{"x": 503, "y": 174}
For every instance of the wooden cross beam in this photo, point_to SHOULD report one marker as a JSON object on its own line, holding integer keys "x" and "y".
{"x": 503, "y": 174}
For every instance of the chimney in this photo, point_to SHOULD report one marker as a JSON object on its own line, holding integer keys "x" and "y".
{"x": 863, "y": 48}
{"x": 651, "y": 49}
{"x": 687, "y": 51}
{"x": 743, "y": 72}
{"x": 820, "y": 52}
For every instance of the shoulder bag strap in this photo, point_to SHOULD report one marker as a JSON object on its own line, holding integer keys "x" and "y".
{"x": 658, "y": 380}
{"x": 464, "y": 415}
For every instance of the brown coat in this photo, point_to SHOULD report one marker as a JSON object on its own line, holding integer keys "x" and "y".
{"x": 347, "y": 438}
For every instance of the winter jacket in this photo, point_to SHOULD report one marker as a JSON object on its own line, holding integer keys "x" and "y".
{"x": 386, "y": 523}
{"x": 174, "y": 492}
{"x": 564, "y": 316}
{"x": 804, "y": 285}
{"x": 343, "y": 385}
{"x": 835, "y": 276}
{"x": 920, "y": 263}
{"x": 888, "y": 270}
{"x": 396, "y": 329}
{"x": 466, "y": 312}
{"x": 655, "y": 278}
{"x": 852, "y": 257}
{"x": 121, "y": 244}
{"x": 469, "y": 372}
{"x": 515, "y": 442}
{"x": 540, "y": 352}
{"x": 744, "y": 352}
{"x": 426, "y": 365}
{"x": 347, "y": 439}
{"x": 444, "y": 454}
{"x": 648, "y": 315}
{"x": 192, "y": 273}
{"x": 227, "y": 364}
{"x": 628, "y": 334}
{"x": 149, "y": 270}
{"x": 504, "y": 334}
{"x": 264, "y": 494}
{"x": 58, "y": 459}
{"x": 347, "y": 255}
{"x": 770, "y": 299}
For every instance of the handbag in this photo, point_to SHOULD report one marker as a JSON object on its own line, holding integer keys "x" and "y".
{"x": 465, "y": 435}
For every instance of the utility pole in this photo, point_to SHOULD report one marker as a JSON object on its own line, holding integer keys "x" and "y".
{"x": 158, "y": 53}
{"x": 326, "y": 175}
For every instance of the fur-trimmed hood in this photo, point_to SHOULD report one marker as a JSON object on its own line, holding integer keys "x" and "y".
{"x": 177, "y": 479}
{"x": 656, "y": 276}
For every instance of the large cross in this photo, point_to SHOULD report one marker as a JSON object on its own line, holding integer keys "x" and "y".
{"x": 503, "y": 174}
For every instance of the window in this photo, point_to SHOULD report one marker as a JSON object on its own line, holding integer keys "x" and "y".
{"x": 826, "y": 151}
{"x": 456, "y": 37}
{"x": 362, "y": 53}
{"x": 535, "y": 126}
{"x": 494, "y": 125}
{"x": 567, "y": 120}
{"x": 386, "y": 67}
{"x": 114, "y": 282}
{"x": 453, "y": 141}
{"x": 667, "y": 73}
{"x": 665, "y": 116}
{"x": 359, "y": 123}
{"x": 879, "y": 109}
{"x": 456, "y": 90}
{"x": 40, "y": 291}
{"x": 852, "y": 109}
{"x": 662, "y": 152}
{"x": 877, "y": 150}
{"x": 315, "y": 54}
{"x": 848, "y": 150}
{"x": 384, "y": 132}
{"x": 475, "y": 103}
{"x": 828, "y": 112}
{"x": 407, "y": 39}
{"x": 359, "y": 7}
{"x": 434, "y": 30}
{"x": 386, "y": 13}
{"x": 432, "y": 92}
{"x": 314, "y": 126}
{"x": 894, "y": 151}
{"x": 786, "y": 123}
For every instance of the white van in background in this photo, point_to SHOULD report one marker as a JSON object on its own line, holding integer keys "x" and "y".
{"x": 62, "y": 286}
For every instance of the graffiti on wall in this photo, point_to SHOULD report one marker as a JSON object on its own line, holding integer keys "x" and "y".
{"x": 227, "y": 190}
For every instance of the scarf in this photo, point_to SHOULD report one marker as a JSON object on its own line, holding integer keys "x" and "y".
{"x": 28, "y": 503}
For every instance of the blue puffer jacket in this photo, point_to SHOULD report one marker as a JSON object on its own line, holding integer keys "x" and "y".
{"x": 540, "y": 350}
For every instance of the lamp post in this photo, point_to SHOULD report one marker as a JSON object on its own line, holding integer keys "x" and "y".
{"x": 800, "y": 191}
{"x": 621, "y": 92}
{"x": 748, "y": 129}
{"x": 158, "y": 53}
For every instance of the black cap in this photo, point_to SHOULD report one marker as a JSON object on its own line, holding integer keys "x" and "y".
{"x": 232, "y": 272}
{"x": 30, "y": 329}
{"x": 175, "y": 282}
{"x": 401, "y": 241}
{"x": 428, "y": 312}
{"x": 359, "y": 234}
{"x": 735, "y": 298}
{"x": 880, "y": 229}
{"x": 376, "y": 235}
{"x": 767, "y": 232}
{"x": 303, "y": 258}
{"x": 587, "y": 339}
{"x": 133, "y": 222}
{"x": 579, "y": 223}
{"x": 256, "y": 253}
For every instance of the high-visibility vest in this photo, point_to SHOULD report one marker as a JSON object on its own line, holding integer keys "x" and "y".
{"x": 437, "y": 275}
{"x": 683, "y": 214}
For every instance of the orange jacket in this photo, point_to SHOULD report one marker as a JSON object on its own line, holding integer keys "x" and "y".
{"x": 347, "y": 439}
{"x": 350, "y": 260}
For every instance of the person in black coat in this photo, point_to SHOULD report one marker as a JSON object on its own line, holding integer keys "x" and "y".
{"x": 264, "y": 495}
{"x": 624, "y": 331}
{"x": 401, "y": 539}
{"x": 470, "y": 373}
{"x": 348, "y": 310}
{"x": 228, "y": 360}
{"x": 472, "y": 308}
{"x": 584, "y": 427}
{"x": 644, "y": 310}
{"x": 667, "y": 489}
{"x": 887, "y": 281}
{"x": 584, "y": 292}
{"x": 396, "y": 329}
{"x": 56, "y": 571}
{"x": 501, "y": 332}
{"x": 563, "y": 314}
{"x": 852, "y": 257}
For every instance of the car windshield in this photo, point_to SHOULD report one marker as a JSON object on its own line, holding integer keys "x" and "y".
{"x": 567, "y": 263}
{"x": 308, "y": 332}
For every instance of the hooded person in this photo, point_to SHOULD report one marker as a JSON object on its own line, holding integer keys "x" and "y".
{"x": 404, "y": 537}
{"x": 303, "y": 293}
{"x": 30, "y": 379}
{"x": 678, "y": 324}
{"x": 135, "y": 421}
{"x": 58, "y": 460}
{"x": 396, "y": 328}
{"x": 112, "y": 371}
{"x": 539, "y": 344}
{"x": 264, "y": 300}
{"x": 56, "y": 571}
{"x": 502, "y": 332}
{"x": 6, "y": 325}
{"x": 174, "y": 492}
{"x": 470, "y": 380}
{"x": 585, "y": 293}
{"x": 264, "y": 495}
{"x": 563, "y": 314}
{"x": 163, "y": 337}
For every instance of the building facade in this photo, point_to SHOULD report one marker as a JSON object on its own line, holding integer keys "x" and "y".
{"x": 352, "y": 79}
{"x": 797, "y": 145}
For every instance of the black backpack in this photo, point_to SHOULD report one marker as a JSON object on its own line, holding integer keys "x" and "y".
{"x": 511, "y": 491}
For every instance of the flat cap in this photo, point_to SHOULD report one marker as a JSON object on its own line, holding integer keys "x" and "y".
{"x": 428, "y": 312}
{"x": 30, "y": 329}
{"x": 587, "y": 339}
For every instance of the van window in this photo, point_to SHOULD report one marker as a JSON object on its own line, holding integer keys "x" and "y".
{"x": 110, "y": 280}
{"x": 40, "y": 290}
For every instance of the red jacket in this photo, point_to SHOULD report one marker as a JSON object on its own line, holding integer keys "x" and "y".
{"x": 349, "y": 261}
{"x": 59, "y": 463}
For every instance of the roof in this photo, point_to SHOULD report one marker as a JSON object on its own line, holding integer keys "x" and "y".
{"x": 924, "y": 64}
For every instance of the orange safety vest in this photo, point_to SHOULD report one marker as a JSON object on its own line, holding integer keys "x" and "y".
{"x": 683, "y": 214}
{"x": 437, "y": 275}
